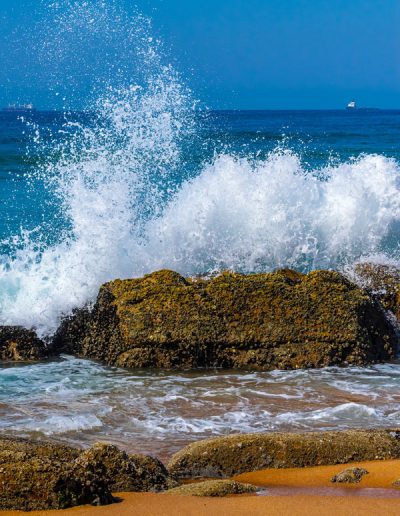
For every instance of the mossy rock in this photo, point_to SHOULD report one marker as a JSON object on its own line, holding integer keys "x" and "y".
{"x": 381, "y": 281}
{"x": 125, "y": 472}
{"x": 223, "y": 457}
{"x": 283, "y": 320}
{"x": 41, "y": 476}
{"x": 18, "y": 344}
{"x": 350, "y": 476}
{"x": 213, "y": 488}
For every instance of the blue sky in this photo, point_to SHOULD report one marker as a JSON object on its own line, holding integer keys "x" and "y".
{"x": 250, "y": 54}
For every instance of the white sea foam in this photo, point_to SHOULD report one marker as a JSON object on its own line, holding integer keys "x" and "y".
{"x": 236, "y": 214}
{"x": 138, "y": 411}
{"x": 54, "y": 425}
{"x": 126, "y": 213}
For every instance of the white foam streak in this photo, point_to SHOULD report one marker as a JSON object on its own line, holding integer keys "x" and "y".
{"x": 259, "y": 216}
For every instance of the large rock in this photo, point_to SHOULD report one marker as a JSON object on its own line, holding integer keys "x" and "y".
{"x": 227, "y": 456}
{"x": 279, "y": 320}
{"x": 40, "y": 476}
{"x": 381, "y": 281}
{"x": 21, "y": 345}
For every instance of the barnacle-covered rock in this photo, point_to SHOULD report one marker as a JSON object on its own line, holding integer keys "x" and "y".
{"x": 283, "y": 320}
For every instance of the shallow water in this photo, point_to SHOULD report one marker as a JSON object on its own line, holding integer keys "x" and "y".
{"x": 79, "y": 402}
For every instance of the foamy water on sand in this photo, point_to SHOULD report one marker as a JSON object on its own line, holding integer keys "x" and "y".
{"x": 79, "y": 402}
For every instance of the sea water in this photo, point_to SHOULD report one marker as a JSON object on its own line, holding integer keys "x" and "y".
{"x": 80, "y": 402}
{"x": 146, "y": 178}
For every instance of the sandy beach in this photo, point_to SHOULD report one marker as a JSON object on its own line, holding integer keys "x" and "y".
{"x": 145, "y": 504}
{"x": 373, "y": 495}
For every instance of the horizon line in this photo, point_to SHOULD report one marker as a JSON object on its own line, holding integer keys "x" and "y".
{"x": 205, "y": 110}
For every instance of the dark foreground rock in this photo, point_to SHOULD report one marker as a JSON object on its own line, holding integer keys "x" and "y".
{"x": 227, "y": 456}
{"x": 44, "y": 476}
{"x": 40, "y": 476}
{"x": 282, "y": 320}
{"x": 350, "y": 476}
{"x": 20, "y": 345}
{"x": 213, "y": 488}
{"x": 125, "y": 472}
{"x": 71, "y": 332}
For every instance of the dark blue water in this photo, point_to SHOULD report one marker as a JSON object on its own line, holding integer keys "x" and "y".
{"x": 318, "y": 137}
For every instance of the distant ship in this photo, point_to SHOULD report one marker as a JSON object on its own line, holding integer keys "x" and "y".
{"x": 19, "y": 108}
{"x": 352, "y": 106}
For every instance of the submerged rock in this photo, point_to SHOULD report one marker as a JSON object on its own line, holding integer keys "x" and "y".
{"x": 227, "y": 456}
{"x": 40, "y": 476}
{"x": 213, "y": 488}
{"x": 18, "y": 344}
{"x": 282, "y": 320}
{"x": 350, "y": 476}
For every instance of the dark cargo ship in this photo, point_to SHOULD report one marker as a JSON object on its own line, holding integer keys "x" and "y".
{"x": 20, "y": 109}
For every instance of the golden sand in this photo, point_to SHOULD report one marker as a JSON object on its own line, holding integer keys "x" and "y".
{"x": 381, "y": 475}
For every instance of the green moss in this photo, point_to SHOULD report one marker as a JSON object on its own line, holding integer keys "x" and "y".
{"x": 235, "y": 454}
{"x": 213, "y": 488}
{"x": 382, "y": 282}
{"x": 279, "y": 320}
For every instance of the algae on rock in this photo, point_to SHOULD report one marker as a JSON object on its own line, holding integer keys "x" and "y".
{"x": 40, "y": 476}
{"x": 381, "y": 281}
{"x": 125, "y": 472}
{"x": 282, "y": 320}
{"x": 350, "y": 476}
{"x": 18, "y": 344}
{"x": 213, "y": 488}
{"x": 221, "y": 457}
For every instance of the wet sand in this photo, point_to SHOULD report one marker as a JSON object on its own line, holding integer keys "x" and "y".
{"x": 381, "y": 475}
{"x": 373, "y": 495}
{"x": 146, "y": 504}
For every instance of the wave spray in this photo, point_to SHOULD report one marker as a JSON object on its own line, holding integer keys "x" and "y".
{"x": 129, "y": 199}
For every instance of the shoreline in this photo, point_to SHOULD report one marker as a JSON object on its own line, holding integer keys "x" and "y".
{"x": 147, "y": 504}
{"x": 384, "y": 501}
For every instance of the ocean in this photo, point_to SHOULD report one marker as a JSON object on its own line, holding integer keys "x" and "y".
{"x": 145, "y": 177}
{"x": 85, "y": 199}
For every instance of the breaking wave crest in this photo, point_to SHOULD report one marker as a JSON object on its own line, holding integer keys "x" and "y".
{"x": 129, "y": 203}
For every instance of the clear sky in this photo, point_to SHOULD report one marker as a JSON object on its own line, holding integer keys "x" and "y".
{"x": 250, "y": 54}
